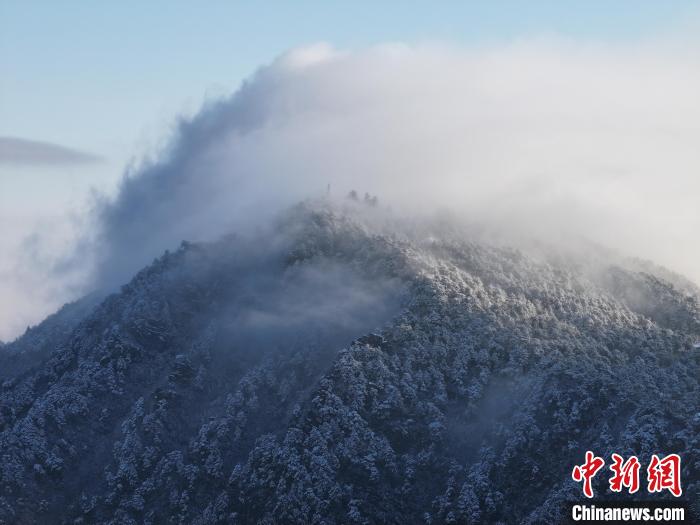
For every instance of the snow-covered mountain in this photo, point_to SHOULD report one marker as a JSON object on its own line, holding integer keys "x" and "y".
{"x": 333, "y": 370}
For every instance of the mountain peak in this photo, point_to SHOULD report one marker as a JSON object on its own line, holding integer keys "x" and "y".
{"x": 345, "y": 365}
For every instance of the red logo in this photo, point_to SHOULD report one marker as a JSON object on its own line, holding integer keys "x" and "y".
{"x": 587, "y": 472}
{"x": 665, "y": 474}
{"x": 626, "y": 474}
{"x": 662, "y": 474}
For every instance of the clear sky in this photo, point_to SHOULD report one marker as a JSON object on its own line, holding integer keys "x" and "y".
{"x": 108, "y": 77}
{"x": 84, "y": 80}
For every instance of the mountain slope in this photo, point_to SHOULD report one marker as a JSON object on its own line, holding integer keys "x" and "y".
{"x": 331, "y": 371}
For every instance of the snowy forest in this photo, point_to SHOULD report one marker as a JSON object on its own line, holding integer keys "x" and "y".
{"x": 337, "y": 369}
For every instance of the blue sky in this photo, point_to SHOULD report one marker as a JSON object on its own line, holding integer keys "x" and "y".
{"x": 109, "y": 77}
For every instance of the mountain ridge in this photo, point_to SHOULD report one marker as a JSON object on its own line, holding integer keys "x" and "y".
{"x": 233, "y": 382}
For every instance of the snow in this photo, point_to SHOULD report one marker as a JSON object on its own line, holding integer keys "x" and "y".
{"x": 496, "y": 369}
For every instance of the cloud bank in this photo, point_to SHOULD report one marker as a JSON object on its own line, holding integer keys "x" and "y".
{"x": 546, "y": 138}
{"x": 23, "y": 152}
{"x": 549, "y": 136}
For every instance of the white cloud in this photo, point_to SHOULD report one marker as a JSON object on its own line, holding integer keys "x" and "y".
{"x": 543, "y": 136}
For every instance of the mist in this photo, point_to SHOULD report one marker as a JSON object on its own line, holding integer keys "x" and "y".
{"x": 544, "y": 138}
{"x": 270, "y": 305}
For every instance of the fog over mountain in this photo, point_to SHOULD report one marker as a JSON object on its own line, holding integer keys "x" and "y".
{"x": 545, "y": 139}
{"x": 398, "y": 285}
{"x": 540, "y": 139}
